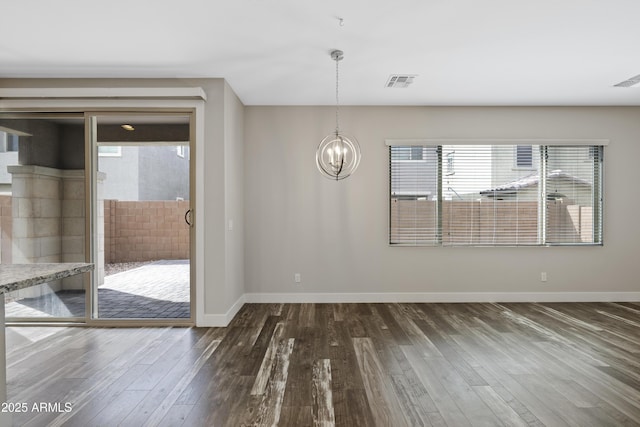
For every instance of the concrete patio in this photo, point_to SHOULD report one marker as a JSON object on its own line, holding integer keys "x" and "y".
{"x": 158, "y": 290}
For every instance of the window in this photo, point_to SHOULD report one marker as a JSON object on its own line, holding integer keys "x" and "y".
{"x": 8, "y": 142}
{"x": 487, "y": 202}
{"x": 413, "y": 188}
{"x": 109, "y": 151}
{"x": 12, "y": 142}
{"x": 524, "y": 156}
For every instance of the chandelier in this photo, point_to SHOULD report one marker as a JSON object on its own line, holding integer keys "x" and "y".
{"x": 338, "y": 155}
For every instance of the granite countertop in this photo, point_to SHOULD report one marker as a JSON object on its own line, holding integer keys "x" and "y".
{"x": 18, "y": 276}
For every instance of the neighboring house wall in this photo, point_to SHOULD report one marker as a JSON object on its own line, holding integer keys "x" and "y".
{"x": 146, "y": 173}
{"x": 464, "y": 177}
{"x": 122, "y": 175}
{"x": 504, "y": 167}
{"x": 469, "y": 178}
{"x": 163, "y": 175}
{"x": 575, "y": 167}
{"x": 425, "y": 172}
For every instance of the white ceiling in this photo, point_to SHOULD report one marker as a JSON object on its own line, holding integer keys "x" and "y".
{"x": 276, "y": 52}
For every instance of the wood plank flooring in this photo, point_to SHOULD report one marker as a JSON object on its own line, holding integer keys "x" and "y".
{"x": 350, "y": 365}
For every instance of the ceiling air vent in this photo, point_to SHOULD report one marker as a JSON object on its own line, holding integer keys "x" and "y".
{"x": 400, "y": 80}
{"x": 633, "y": 81}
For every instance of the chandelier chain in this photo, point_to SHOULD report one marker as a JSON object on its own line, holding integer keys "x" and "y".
{"x": 337, "y": 99}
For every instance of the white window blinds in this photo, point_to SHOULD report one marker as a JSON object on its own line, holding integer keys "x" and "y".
{"x": 476, "y": 194}
{"x": 414, "y": 190}
{"x": 573, "y": 191}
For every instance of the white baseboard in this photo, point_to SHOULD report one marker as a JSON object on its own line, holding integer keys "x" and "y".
{"x": 442, "y": 297}
{"x": 222, "y": 320}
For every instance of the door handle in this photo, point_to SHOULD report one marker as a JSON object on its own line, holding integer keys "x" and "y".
{"x": 187, "y": 217}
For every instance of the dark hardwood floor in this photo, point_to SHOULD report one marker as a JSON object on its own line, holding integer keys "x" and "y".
{"x": 367, "y": 365}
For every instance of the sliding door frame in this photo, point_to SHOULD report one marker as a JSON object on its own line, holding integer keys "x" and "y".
{"x": 45, "y": 320}
{"x": 101, "y": 101}
{"x": 93, "y": 233}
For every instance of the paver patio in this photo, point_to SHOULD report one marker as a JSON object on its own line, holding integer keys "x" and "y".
{"x": 156, "y": 290}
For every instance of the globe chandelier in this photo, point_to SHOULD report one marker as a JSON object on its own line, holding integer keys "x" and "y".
{"x": 338, "y": 155}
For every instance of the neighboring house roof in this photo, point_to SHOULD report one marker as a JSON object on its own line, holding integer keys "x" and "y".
{"x": 532, "y": 181}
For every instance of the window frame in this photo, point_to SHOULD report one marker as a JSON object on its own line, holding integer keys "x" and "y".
{"x": 117, "y": 153}
{"x": 598, "y": 194}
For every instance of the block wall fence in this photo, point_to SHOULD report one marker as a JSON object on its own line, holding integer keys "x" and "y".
{"x": 145, "y": 230}
{"x": 133, "y": 231}
{"x": 490, "y": 222}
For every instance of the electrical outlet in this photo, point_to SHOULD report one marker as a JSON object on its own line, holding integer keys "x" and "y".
{"x": 297, "y": 278}
{"x": 543, "y": 276}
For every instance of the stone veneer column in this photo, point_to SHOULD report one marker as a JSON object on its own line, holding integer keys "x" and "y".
{"x": 36, "y": 223}
{"x": 73, "y": 224}
{"x": 48, "y": 207}
{"x": 37, "y": 212}
{"x": 6, "y": 229}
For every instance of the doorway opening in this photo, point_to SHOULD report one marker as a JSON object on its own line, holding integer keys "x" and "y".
{"x": 78, "y": 187}
{"x": 143, "y": 217}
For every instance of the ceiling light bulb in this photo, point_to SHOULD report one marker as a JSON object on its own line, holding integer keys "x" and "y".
{"x": 127, "y": 127}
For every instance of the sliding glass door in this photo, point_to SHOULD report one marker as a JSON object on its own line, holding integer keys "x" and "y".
{"x": 110, "y": 188}
{"x": 141, "y": 221}
{"x": 42, "y": 210}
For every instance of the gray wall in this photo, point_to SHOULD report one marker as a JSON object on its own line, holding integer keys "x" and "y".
{"x": 43, "y": 147}
{"x": 163, "y": 174}
{"x": 122, "y": 175}
{"x": 146, "y": 173}
{"x": 336, "y": 233}
{"x": 72, "y": 146}
{"x": 52, "y": 145}
{"x": 234, "y": 177}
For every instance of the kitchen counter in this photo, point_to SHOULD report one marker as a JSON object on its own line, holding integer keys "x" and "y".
{"x": 20, "y": 276}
